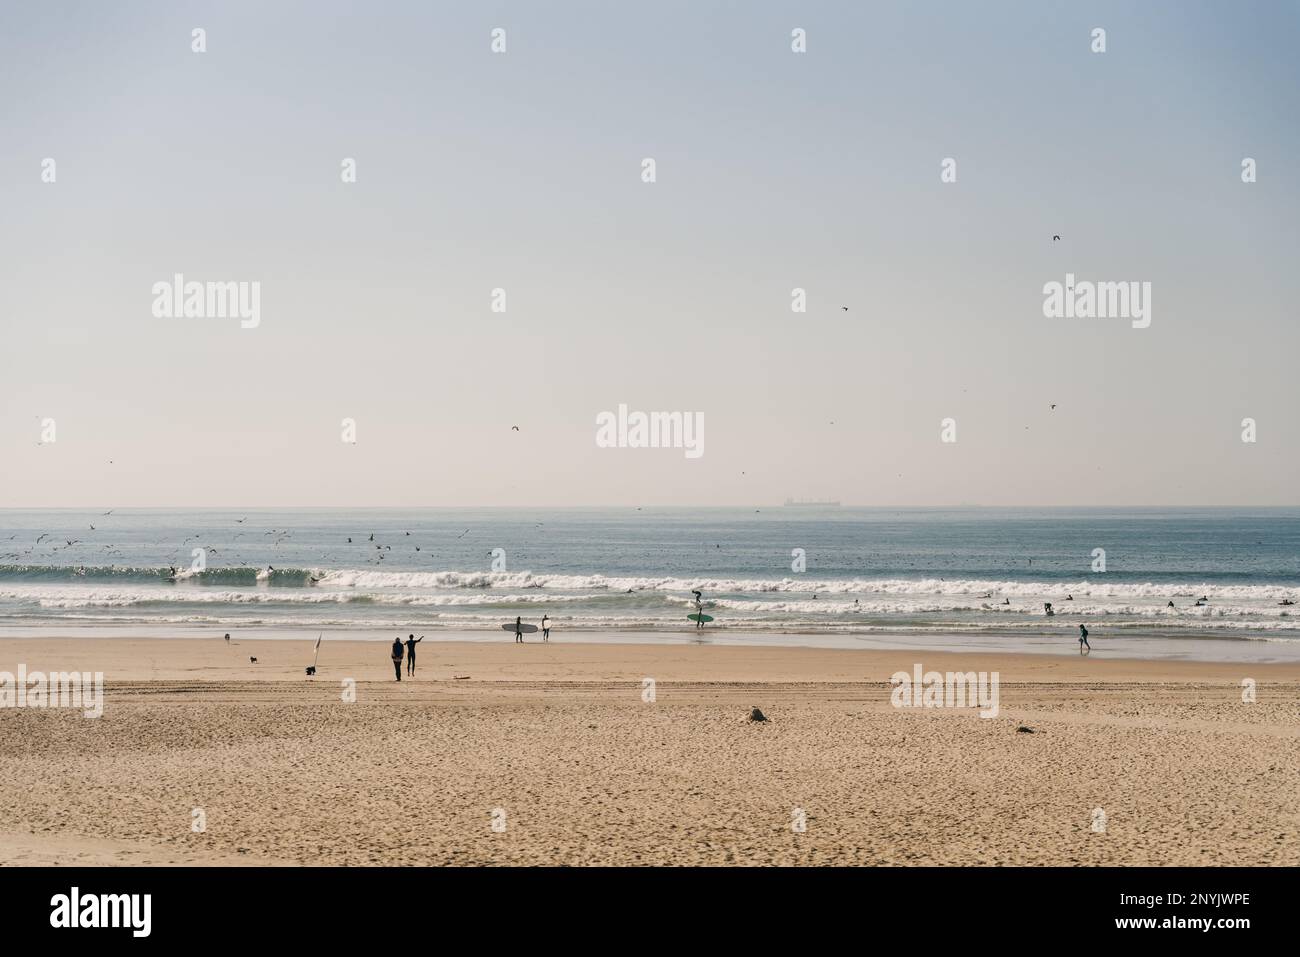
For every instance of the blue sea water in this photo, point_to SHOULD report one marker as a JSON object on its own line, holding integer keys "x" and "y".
{"x": 869, "y": 572}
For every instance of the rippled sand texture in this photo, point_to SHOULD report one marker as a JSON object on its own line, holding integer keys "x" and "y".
{"x": 550, "y": 755}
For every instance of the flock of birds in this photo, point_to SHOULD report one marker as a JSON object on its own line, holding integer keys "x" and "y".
{"x": 181, "y": 554}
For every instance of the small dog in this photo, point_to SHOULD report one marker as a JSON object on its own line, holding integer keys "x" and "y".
{"x": 311, "y": 670}
{"x": 253, "y": 660}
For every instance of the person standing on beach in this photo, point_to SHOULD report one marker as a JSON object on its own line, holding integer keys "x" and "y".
{"x": 546, "y": 627}
{"x": 411, "y": 642}
{"x": 397, "y": 657}
{"x": 699, "y": 609}
{"x": 519, "y": 629}
{"x": 1083, "y": 640}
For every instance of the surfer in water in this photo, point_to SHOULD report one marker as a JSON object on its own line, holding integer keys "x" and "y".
{"x": 1083, "y": 640}
{"x": 519, "y": 629}
{"x": 397, "y": 657}
{"x": 411, "y": 642}
{"x": 546, "y": 628}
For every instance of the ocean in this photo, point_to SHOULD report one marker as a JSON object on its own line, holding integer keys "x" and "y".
{"x": 862, "y": 573}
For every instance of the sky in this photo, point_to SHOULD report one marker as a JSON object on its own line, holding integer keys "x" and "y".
{"x": 523, "y": 170}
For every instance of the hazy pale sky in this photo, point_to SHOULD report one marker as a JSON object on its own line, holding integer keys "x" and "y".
{"x": 522, "y": 170}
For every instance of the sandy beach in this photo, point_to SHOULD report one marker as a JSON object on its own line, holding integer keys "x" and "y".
{"x": 548, "y": 754}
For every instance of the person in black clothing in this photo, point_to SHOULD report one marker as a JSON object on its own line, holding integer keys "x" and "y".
{"x": 411, "y": 642}
{"x": 397, "y": 657}
{"x": 519, "y": 630}
{"x": 1083, "y": 640}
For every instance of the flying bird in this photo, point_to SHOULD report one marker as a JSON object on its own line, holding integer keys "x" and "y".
{"x": 1056, "y": 239}
{"x": 515, "y": 428}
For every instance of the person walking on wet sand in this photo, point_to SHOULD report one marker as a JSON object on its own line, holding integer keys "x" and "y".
{"x": 1083, "y": 640}
{"x": 411, "y": 642}
{"x": 519, "y": 630}
{"x": 546, "y": 628}
{"x": 397, "y": 657}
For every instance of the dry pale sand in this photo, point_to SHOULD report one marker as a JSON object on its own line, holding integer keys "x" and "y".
{"x": 558, "y": 738}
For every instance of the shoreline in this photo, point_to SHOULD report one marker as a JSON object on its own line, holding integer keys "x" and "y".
{"x": 1241, "y": 650}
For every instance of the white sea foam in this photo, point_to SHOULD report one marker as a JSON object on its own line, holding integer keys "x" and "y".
{"x": 621, "y": 602}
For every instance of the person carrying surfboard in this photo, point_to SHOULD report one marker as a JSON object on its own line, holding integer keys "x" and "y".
{"x": 397, "y": 657}
{"x": 699, "y": 609}
{"x": 519, "y": 629}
